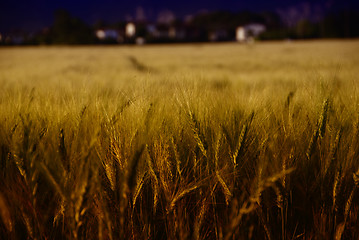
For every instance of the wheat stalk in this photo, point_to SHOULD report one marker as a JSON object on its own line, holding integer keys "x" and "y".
{"x": 155, "y": 183}
{"x": 5, "y": 214}
{"x": 240, "y": 144}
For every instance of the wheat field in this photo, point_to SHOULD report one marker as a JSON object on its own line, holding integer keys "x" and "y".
{"x": 197, "y": 141}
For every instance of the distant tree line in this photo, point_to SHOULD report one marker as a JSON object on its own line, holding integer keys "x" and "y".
{"x": 67, "y": 29}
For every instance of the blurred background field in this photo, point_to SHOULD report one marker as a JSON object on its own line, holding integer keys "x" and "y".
{"x": 285, "y": 62}
{"x": 202, "y": 141}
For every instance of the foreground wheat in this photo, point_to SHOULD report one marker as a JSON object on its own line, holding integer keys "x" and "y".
{"x": 192, "y": 147}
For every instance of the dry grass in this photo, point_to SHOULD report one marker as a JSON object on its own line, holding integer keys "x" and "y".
{"x": 219, "y": 141}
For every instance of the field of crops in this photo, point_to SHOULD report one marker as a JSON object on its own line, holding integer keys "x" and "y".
{"x": 203, "y": 141}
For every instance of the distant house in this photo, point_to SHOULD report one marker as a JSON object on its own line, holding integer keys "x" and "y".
{"x": 240, "y": 34}
{"x": 249, "y": 31}
{"x": 130, "y": 30}
{"x": 109, "y": 35}
{"x": 160, "y": 32}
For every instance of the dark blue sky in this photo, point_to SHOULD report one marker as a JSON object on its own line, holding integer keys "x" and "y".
{"x": 33, "y": 15}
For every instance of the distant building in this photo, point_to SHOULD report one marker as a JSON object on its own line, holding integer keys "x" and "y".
{"x": 103, "y": 34}
{"x": 241, "y": 34}
{"x": 130, "y": 30}
{"x": 162, "y": 31}
{"x": 249, "y": 31}
{"x": 109, "y": 35}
